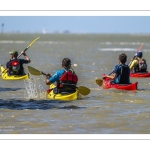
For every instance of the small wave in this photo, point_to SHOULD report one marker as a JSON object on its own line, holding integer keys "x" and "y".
{"x": 117, "y": 49}
{"x": 9, "y": 89}
{"x": 123, "y": 43}
{"x": 40, "y": 42}
{"x": 121, "y": 49}
{"x": 6, "y": 42}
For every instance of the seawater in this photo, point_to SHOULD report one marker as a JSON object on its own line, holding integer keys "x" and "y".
{"x": 24, "y": 106}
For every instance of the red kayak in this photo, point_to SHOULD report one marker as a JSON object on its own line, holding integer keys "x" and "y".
{"x": 140, "y": 74}
{"x": 107, "y": 84}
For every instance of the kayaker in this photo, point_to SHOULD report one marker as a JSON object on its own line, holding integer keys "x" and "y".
{"x": 15, "y": 66}
{"x": 138, "y": 64}
{"x": 121, "y": 72}
{"x": 65, "y": 79}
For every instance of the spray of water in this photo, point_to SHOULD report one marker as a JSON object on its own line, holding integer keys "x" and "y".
{"x": 33, "y": 89}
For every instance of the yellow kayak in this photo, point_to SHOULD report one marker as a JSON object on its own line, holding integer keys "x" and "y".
{"x": 5, "y": 76}
{"x": 63, "y": 97}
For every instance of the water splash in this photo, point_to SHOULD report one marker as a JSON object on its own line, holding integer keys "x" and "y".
{"x": 33, "y": 89}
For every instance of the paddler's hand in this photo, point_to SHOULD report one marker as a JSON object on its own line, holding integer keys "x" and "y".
{"x": 23, "y": 53}
{"x": 48, "y": 76}
{"x": 104, "y": 77}
{"x": 7, "y": 69}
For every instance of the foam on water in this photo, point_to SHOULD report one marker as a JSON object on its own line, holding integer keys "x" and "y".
{"x": 117, "y": 49}
{"x": 39, "y": 42}
{"x": 121, "y": 49}
{"x": 10, "y": 41}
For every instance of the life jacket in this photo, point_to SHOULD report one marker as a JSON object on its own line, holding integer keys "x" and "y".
{"x": 15, "y": 64}
{"x": 124, "y": 76}
{"x": 67, "y": 83}
{"x": 68, "y": 78}
{"x": 141, "y": 66}
{"x": 15, "y": 67}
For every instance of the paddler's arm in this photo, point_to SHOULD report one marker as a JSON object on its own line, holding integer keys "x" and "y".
{"x": 133, "y": 64}
{"x": 26, "y": 57}
{"x": 113, "y": 76}
{"x": 56, "y": 77}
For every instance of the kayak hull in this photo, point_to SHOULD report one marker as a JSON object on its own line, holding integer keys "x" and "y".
{"x": 5, "y": 76}
{"x": 140, "y": 75}
{"x": 63, "y": 97}
{"x": 107, "y": 85}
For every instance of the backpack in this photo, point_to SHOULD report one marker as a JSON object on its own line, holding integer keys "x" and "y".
{"x": 15, "y": 65}
{"x": 142, "y": 65}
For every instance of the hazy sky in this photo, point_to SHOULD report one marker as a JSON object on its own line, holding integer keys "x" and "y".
{"x": 80, "y": 16}
{"x": 77, "y": 24}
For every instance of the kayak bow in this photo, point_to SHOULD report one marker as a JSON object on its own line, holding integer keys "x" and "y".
{"x": 5, "y": 76}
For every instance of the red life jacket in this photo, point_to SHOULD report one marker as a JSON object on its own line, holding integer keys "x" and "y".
{"x": 68, "y": 77}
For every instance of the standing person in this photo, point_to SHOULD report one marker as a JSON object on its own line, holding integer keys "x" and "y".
{"x": 15, "y": 65}
{"x": 138, "y": 64}
{"x": 121, "y": 72}
{"x": 65, "y": 78}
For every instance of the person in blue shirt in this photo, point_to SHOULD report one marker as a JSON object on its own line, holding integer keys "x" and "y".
{"x": 65, "y": 78}
{"x": 15, "y": 66}
{"x": 121, "y": 72}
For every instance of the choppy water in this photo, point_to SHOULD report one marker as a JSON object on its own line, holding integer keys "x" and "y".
{"x": 25, "y": 109}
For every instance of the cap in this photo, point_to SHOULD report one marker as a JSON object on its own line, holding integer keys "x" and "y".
{"x": 139, "y": 54}
{"x": 15, "y": 53}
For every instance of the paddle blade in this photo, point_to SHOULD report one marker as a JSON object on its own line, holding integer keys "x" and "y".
{"x": 99, "y": 81}
{"x": 83, "y": 90}
{"x": 33, "y": 42}
{"x": 34, "y": 71}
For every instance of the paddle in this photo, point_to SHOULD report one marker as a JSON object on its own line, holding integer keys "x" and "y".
{"x": 82, "y": 89}
{"x": 29, "y": 45}
{"x": 99, "y": 81}
{"x": 134, "y": 55}
{"x": 35, "y": 72}
{"x": 25, "y": 50}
